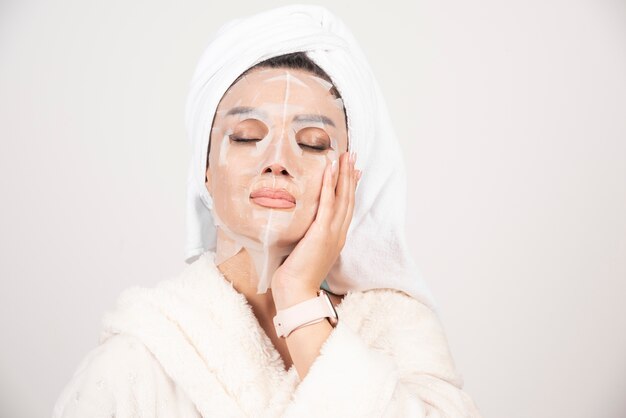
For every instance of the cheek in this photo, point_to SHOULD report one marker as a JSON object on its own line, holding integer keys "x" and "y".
{"x": 230, "y": 196}
{"x": 230, "y": 185}
{"x": 311, "y": 179}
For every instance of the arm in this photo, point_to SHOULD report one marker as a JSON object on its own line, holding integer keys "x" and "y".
{"x": 302, "y": 273}
{"x": 406, "y": 371}
{"x": 304, "y": 343}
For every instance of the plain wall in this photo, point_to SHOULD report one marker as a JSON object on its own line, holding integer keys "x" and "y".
{"x": 512, "y": 116}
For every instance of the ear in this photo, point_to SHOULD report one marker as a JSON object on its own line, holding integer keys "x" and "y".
{"x": 207, "y": 181}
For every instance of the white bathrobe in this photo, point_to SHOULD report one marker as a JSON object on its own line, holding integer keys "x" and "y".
{"x": 192, "y": 347}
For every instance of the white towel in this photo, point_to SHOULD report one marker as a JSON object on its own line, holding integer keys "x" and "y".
{"x": 375, "y": 254}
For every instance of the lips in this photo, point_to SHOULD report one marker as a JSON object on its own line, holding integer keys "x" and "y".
{"x": 273, "y": 198}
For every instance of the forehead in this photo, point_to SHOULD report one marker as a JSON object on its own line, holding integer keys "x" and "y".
{"x": 267, "y": 86}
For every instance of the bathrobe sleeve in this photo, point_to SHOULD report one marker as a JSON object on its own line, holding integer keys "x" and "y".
{"x": 120, "y": 378}
{"x": 407, "y": 371}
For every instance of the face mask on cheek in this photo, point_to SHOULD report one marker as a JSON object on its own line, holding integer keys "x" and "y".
{"x": 274, "y": 134}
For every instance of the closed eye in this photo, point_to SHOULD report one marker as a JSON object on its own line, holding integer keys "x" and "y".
{"x": 313, "y": 139}
{"x": 240, "y": 139}
{"x": 314, "y": 148}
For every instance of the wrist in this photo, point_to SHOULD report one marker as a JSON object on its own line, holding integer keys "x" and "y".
{"x": 285, "y": 296}
{"x": 303, "y": 314}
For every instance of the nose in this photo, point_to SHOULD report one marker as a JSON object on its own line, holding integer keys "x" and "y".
{"x": 276, "y": 169}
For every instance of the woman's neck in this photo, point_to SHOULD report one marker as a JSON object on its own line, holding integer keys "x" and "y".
{"x": 241, "y": 272}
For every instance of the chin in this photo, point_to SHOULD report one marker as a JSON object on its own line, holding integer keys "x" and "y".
{"x": 258, "y": 235}
{"x": 285, "y": 231}
{"x": 284, "y": 238}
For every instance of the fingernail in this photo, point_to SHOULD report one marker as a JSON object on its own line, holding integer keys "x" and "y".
{"x": 351, "y": 158}
{"x": 333, "y": 166}
{"x": 358, "y": 175}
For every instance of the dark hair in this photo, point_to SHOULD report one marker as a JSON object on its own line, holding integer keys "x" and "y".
{"x": 295, "y": 60}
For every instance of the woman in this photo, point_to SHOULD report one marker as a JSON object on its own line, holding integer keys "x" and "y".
{"x": 300, "y": 298}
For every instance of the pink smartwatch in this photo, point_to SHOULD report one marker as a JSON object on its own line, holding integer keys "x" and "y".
{"x": 305, "y": 313}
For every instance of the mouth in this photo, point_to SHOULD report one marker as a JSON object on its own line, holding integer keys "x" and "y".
{"x": 273, "y": 198}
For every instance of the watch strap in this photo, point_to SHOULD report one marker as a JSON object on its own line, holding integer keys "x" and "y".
{"x": 309, "y": 312}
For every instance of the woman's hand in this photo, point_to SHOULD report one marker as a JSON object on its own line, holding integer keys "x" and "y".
{"x": 301, "y": 274}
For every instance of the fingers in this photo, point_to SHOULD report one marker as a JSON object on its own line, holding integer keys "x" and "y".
{"x": 345, "y": 197}
{"x": 343, "y": 190}
{"x": 327, "y": 196}
{"x": 337, "y": 202}
{"x": 350, "y": 209}
{"x": 356, "y": 176}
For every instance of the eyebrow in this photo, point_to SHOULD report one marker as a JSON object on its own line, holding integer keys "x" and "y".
{"x": 241, "y": 110}
{"x": 313, "y": 118}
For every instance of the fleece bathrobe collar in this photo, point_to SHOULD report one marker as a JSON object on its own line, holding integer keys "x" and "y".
{"x": 208, "y": 340}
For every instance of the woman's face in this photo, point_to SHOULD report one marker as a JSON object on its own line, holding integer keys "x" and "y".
{"x": 274, "y": 132}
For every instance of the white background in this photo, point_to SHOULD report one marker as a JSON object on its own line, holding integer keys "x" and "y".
{"x": 513, "y": 120}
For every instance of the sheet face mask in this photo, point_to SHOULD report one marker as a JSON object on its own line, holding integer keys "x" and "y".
{"x": 275, "y": 130}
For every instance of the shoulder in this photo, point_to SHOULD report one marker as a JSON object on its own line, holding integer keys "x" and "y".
{"x": 106, "y": 371}
{"x": 390, "y": 306}
{"x": 121, "y": 376}
{"x": 406, "y": 329}
{"x": 118, "y": 377}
